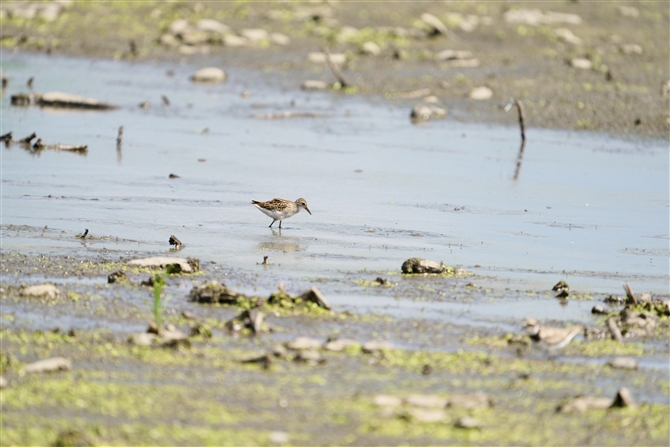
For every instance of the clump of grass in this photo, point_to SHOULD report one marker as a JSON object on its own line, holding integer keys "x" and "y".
{"x": 158, "y": 304}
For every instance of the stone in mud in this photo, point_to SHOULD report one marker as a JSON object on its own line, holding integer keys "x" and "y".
{"x": 42, "y": 291}
{"x": 385, "y": 400}
{"x": 614, "y": 299}
{"x": 254, "y": 34}
{"x": 314, "y": 85}
{"x": 280, "y": 351}
{"x": 598, "y": 310}
{"x": 142, "y": 339}
{"x": 623, "y": 363}
{"x": 471, "y": 401}
{"x": 213, "y": 293}
{"x": 623, "y": 398}
{"x": 308, "y": 356}
{"x": 340, "y": 344}
{"x": 467, "y": 422}
{"x": 280, "y": 39}
{"x": 631, "y": 48}
{"x": 278, "y": 437}
{"x": 116, "y": 276}
{"x": 194, "y": 37}
{"x": 209, "y": 75}
{"x": 376, "y": 346}
{"x": 180, "y": 265}
{"x": 481, "y": 93}
{"x": 418, "y": 265}
{"x": 424, "y": 112}
{"x": 3, "y": 383}
{"x": 248, "y": 319}
{"x": 233, "y": 40}
{"x": 66, "y": 100}
{"x": 581, "y": 63}
{"x": 424, "y": 415}
{"x": 562, "y": 289}
{"x": 426, "y": 401}
{"x": 645, "y": 320}
{"x": 49, "y": 365}
{"x": 371, "y": 48}
{"x": 583, "y": 403}
{"x": 314, "y": 296}
{"x": 436, "y": 26}
{"x": 212, "y": 26}
{"x": 303, "y": 343}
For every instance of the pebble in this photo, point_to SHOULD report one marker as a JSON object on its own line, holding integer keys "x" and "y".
{"x": 471, "y": 401}
{"x": 212, "y": 26}
{"x": 385, "y": 400}
{"x": 49, "y": 365}
{"x": 467, "y": 422}
{"x": 233, "y": 40}
{"x": 280, "y": 39}
{"x": 254, "y": 34}
{"x": 314, "y": 85}
{"x": 302, "y": 343}
{"x": 425, "y": 415}
{"x": 623, "y": 398}
{"x": 623, "y": 363}
{"x": 42, "y": 290}
{"x": 3, "y": 383}
{"x": 581, "y": 404}
{"x": 209, "y": 74}
{"x": 374, "y": 346}
{"x": 162, "y": 262}
{"x": 432, "y": 99}
{"x": 308, "y": 356}
{"x": 178, "y": 26}
{"x": 320, "y": 58}
{"x": 568, "y": 36}
{"x": 278, "y": 437}
{"x": 481, "y": 93}
{"x": 598, "y": 310}
{"x": 426, "y": 401}
{"x": 340, "y": 344}
{"x": 371, "y": 48}
{"x": 434, "y": 23}
{"x": 581, "y": 63}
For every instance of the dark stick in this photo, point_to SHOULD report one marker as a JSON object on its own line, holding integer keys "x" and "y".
{"x": 119, "y": 137}
{"x": 30, "y": 83}
{"x": 28, "y": 138}
{"x": 165, "y": 99}
{"x": 519, "y": 160}
{"x": 519, "y": 106}
{"x": 336, "y": 70}
{"x": 6, "y": 137}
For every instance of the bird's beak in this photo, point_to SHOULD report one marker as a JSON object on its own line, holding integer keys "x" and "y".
{"x": 307, "y": 209}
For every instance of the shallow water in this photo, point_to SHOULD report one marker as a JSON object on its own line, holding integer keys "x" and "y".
{"x": 586, "y": 208}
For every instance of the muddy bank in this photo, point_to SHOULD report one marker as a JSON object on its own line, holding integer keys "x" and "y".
{"x": 575, "y": 65}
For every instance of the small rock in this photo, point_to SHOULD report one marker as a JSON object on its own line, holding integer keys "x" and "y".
{"x": 178, "y": 26}
{"x": 43, "y": 290}
{"x": 581, "y": 63}
{"x": 314, "y": 85}
{"x": 314, "y": 296}
{"x": 449, "y": 55}
{"x": 385, "y": 400}
{"x": 209, "y": 74}
{"x": 425, "y": 415}
{"x": 213, "y": 293}
{"x": 340, "y": 344}
{"x": 143, "y": 339}
{"x": 278, "y": 437}
{"x": 168, "y": 40}
{"x": 49, "y": 365}
{"x": 212, "y": 26}
{"x": 467, "y": 422}
{"x": 180, "y": 265}
{"x": 432, "y": 99}
{"x": 375, "y": 346}
{"x": 426, "y": 401}
{"x": 233, "y": 40}
{"x": 418, "y": 265}
{"x": 598, "y": 310}
{"x": 194, "y": 37}
{"x": 623, "y": 363}
{"x": 568, "y": 36}
{"x": 280, "y": 351}
{"x": 435, "y": 24}
{"x": 581, "y": 404}
{"x": 481, "y": 93}
{"x": 470, "y": 401}
{"x": 116, "y": 276}
{"x": 631, "y": 48}
{"x": 623, "y": 398}
{"x": 3, "y": 383}
{"x": 347, "y": 33}
{"x": 308, "y": 356}
{"x": 254, "y": 34}
{"x": 562, "y": 289}
{"x": 280, "y": 39}
{"x": 371, "y": 48}
{"x": 614, "y": 299}
{"x": 320, "y": 58}
{"x": 264, "y": 360}
{"x": 426, "y": 112}
{"x": 302, "y": 343}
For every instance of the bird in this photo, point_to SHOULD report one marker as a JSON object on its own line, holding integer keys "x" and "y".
{"x": 280, "y": 209}
{"x": 552, "y": 338}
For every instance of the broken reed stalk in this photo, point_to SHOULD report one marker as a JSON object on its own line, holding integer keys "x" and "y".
{"x": 119, "y": 137}
{"x": 522, "y": 119}
{"x": 336, "y": 70}
{"x": 630, "y": 296}
{"x": 519, "y": 160}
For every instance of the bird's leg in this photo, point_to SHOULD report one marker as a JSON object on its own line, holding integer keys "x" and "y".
{"x": 273, "y": 221}
{"x": 280, "y": 224}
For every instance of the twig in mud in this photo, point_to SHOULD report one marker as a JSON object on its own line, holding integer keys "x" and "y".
{"x": 519, "y": 160}
{"x": 522, "y": 118}
{"x": 336, "y": 70}
{"x": 28, "y": 139}
{"x": 166, "y": 100}
{"x": 119, "y": 136}
{"x": 29, "y": 84}
{"x": 133, "y": 48}
{"x": 83, "y": 235}
{"x": 630, "y": 296}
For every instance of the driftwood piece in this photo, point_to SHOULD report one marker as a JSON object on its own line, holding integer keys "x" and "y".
{"x": 174, "y": 241}
{"x": 61, "y": 100}
{"x": 28, "y": 139}
{"x": 336, "y": 70}
{"x": 81, "y": 148}
{"x": 614, "y": 329}
{"x": 6, "y": 137}
{"x": 630, "y": 296}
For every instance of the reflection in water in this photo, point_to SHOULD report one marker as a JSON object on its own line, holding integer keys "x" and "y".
{"x": 519, "y": 160}
{"x": 282, "y": 243}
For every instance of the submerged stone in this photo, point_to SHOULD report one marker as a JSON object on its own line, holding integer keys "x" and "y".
{"x": 209, "y": 74}
{"x": 178, "y": 265}
{"x": 302, "y": 343}
{"x": 49, "y": 365}
{"x": 42, "y": 290}
{"x": 418, "y": 265}
{"x": 375, "y": 346}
